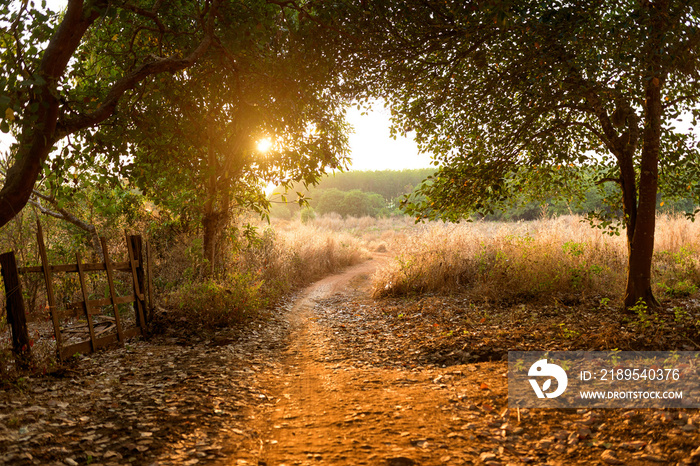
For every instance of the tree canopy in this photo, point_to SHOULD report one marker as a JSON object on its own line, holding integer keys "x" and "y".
{"x": 52, "y": 86}
{"x": 192, "y": 140}
{"x": 139, "y": 89}
{"x": 515, "y": 97}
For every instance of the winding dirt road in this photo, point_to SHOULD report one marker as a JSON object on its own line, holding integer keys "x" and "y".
{"x": 330, "y": 409}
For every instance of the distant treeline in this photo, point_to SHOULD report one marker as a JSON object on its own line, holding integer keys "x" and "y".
{"x": 378, "y": 194}
{"x": 356, "y": 193}
{"x": 603, "y": 199}
{"x": 594, "y": 201}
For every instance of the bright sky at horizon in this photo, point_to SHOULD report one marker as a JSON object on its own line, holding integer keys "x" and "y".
{"x": 373, "y": 149}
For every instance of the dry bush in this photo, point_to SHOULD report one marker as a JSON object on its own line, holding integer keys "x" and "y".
{"x": 215, "y": 302}
{"x": 560, "y": 257}
{"x": 253, "y": 272}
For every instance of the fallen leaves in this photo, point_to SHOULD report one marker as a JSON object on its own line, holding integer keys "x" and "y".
{"x": 159, "y": 401}
{"x": 410, "y": 382}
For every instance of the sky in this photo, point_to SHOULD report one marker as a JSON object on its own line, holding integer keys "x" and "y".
{"x": 373, "y": 149}
{"x": 371, "y": 146}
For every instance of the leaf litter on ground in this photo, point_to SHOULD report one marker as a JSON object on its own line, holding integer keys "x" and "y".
{"x": 203, "y": 398}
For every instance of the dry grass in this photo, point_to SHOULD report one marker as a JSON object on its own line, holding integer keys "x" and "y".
{"x": 250, "y": 277}
{"x": 372, "y": 234}
{"x": 296, "y": 254}
{"x": 560, "y": 257}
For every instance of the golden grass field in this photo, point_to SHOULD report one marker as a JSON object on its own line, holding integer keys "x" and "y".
{"x": 562, "y": 256}
{"x": 528, "y": 260}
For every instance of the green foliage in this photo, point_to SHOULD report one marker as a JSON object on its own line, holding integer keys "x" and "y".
{"x": 573, "y": 248}
{"x": 356, "y": 203}
{"x": 644, "y": 317}
{"x": 19, "y": 60}
{"x": 200, "y": 159}
{"x": 567, "y": 333}
{"x": 330, "y": 200}
{"x": 390, "y": 184}
{"x": 307, "y": 215}
{"x": 353, "y": 203}
{"x": 503, "y": 96}
{"x": 679, "y": 272}
{"x": 685, "y": 320}
{"x": 61, "y": 76}
{"x": 678, "y": 289}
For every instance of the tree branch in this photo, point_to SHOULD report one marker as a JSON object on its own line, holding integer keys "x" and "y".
{"x": 159, "y": 65}
{"x": 63, "y": 214}
{"x": 42, "y": 128}
{"x": 609, "y": 180}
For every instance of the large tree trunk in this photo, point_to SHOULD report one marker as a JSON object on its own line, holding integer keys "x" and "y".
{"x": 210, "y": 227}
{"x": 641, "y": 246}
{"x": 210, "y": 220}
{"x": 641, "y": 238}
{"x": 39, "y": 128}
{"x": 213, "y": 224}
{"x": 217, "y": 208}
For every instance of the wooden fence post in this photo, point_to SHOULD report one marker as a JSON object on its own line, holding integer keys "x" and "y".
{"x": 134, "y": 248}
{"x": 21, "y": 346}
{"x": 112, "y": 292}
{"x": 86, "y": 301}
{"x": 48, "y": 279}
{"x": 149, "y": 263}
{"x": 137, "y": 241}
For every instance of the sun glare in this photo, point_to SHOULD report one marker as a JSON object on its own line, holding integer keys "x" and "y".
{"x": 264, "y": 145}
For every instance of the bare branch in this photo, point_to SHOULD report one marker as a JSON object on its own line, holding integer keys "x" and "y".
{"x": 150, "y": 14}
{"x": 609, "y": 180}
{"x": 62, "y": 214}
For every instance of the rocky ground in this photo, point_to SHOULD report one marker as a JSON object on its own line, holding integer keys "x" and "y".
{"x": 334, "y": 377}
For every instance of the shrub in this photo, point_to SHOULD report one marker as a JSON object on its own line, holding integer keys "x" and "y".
{"x": 216, "y": 303}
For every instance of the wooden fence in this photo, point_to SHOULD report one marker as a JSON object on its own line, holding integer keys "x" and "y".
{"x": 141, "y": 296}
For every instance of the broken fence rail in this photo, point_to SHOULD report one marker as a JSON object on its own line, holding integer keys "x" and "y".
{"x": 141, "y": 296}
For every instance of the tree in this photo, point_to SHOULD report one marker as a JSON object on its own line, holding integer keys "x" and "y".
{"x": 523, "y": 96}
{"x": 192, "y": 138}
{"x": 353, "y": 203}
{"x": 49, "y": 94}
{"x": 253, "y": 69}
{"x": 330, "y": 200}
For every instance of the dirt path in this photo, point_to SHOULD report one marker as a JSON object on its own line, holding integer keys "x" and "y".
{"x": 389, "y": 383}
{"x": 333, "y": 409}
